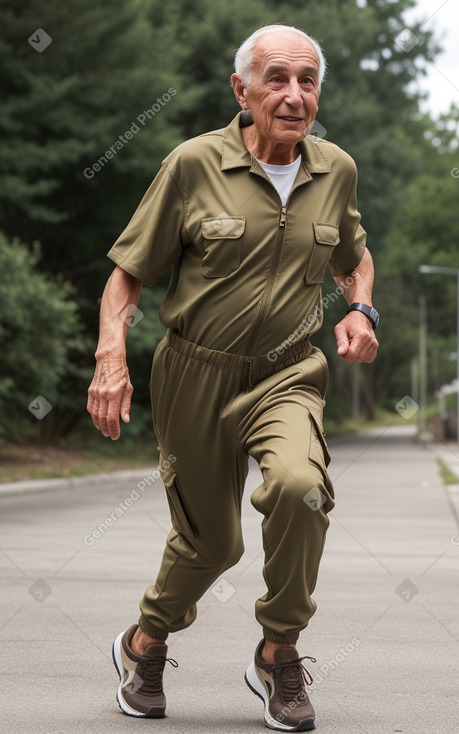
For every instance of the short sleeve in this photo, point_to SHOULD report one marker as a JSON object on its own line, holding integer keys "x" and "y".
{"x": 154, "y": 238}
{"x": 349, "y": 252}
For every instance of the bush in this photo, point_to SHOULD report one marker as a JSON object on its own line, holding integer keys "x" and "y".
{"x": 41, "y": 337}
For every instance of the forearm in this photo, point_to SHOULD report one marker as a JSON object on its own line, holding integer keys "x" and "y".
{"x": 355, "y": 337}
{"x": 357, "y": 284}
{"x": 119, "y": 300}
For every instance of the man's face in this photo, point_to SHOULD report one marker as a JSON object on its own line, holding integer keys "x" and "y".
{"x": 284, "y": 90}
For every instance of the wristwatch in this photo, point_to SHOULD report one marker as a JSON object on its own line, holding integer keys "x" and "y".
{"x": 370, "y": 312}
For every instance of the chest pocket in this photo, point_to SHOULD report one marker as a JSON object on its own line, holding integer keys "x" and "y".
{"x": 326, "y": 237}
{"x": 222, "y": 237}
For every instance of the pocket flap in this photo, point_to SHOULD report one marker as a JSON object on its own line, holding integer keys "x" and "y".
{"x": 167, "y": 472}
{"x": 180, "y": 516}
{"x": 223, "y": 227}
{"x": 326, "y": 234}
{"x": 318, "y": 451}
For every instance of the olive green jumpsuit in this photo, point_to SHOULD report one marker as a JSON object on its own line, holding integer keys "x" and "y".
{"x": 236, "y": 374}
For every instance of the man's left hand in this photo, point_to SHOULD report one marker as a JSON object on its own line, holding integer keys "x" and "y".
{"x": 355, "y": 338}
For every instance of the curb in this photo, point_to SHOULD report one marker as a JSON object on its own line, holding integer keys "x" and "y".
{"x": 451, "y": 459}
{"x": 30, "y": 486}
{"x": 452, "y": 490}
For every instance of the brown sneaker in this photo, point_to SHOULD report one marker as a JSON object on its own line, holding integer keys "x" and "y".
{"x": 282, "y": 688}
{"x": 140, "y": 692}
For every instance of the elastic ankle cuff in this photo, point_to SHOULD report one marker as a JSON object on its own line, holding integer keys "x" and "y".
{"x": 279, "y": 638}
{"x": 151, "y": 630}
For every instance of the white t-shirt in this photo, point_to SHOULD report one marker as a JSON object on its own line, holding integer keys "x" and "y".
{"x": 282, "y": 177}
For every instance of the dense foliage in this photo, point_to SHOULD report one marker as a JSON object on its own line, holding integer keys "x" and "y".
{"x": 43, "y": 345}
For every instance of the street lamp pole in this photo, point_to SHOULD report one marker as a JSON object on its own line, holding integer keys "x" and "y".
{"x": 437, "y": 269}
{"x": 422, "y": 363}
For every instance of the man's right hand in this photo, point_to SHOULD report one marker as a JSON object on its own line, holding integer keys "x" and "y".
{"x": 109, "y": 394}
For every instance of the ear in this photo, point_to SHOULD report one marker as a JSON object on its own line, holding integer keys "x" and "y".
{"x": 240, "y": 91}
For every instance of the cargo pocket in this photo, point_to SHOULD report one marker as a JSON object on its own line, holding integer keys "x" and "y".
{"x": 326, "y": 237}
{"x": 319, "y": 453}
{"x": 222, "y": 237}
{"x": 179, "y": 515}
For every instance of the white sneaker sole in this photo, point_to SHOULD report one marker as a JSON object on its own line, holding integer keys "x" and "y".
{"x": 118, "y": 662}
{"x": 257, "y": 687}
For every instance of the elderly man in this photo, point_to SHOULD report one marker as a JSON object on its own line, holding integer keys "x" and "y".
{"x": 248, "y": 217}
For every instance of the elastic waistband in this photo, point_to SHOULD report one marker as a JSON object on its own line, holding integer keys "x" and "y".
{"x": 270, "y": 362}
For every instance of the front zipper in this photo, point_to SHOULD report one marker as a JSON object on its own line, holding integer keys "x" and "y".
{"x": 269, "y": 283}
{"x": 274, "y": 265}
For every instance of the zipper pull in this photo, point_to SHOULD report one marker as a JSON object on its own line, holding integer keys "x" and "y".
{"x": 283, "y": 216}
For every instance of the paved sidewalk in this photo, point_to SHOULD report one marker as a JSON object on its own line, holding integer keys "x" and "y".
{"x": 386, "y": 633}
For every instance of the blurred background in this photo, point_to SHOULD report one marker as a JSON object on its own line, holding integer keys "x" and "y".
{"x": 87, "y": 115}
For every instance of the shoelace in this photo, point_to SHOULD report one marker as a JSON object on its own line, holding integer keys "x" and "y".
{"x": 150, "y": 673}
{"x": 292, "y": 675}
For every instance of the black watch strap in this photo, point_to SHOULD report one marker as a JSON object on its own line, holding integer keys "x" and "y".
{"x": 370, "y": 312}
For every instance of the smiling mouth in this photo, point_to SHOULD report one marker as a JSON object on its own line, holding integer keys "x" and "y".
{"x": 290, "y": 119}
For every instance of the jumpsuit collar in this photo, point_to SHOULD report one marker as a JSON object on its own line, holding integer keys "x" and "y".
{"x": 236, "y": 155}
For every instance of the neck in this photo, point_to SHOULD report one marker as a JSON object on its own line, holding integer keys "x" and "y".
{"x": 266, "y": 150}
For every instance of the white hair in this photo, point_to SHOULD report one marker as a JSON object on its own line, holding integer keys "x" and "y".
{"x": 243, "y": 59}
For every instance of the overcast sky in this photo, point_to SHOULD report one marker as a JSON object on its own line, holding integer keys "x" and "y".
{"x": 442, "y": 81}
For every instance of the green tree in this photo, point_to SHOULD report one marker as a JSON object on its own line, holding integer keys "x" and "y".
{"x": 62, "y": 109}
{"x": 41, "y": 341}
{"x": 426, "y": 233}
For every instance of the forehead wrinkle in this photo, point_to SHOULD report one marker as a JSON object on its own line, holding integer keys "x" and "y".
{"x": 294, "y": 46}
{"x": 288, "y": 53}
{"x": 282, "y": 58}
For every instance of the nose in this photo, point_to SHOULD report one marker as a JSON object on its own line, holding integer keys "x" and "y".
{"x": 293, "y": 94}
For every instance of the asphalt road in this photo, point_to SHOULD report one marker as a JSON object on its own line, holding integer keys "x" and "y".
{"x": 385, "y": 635}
